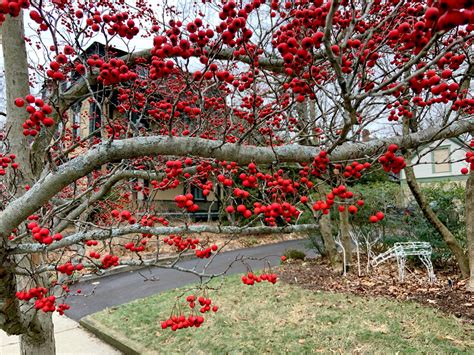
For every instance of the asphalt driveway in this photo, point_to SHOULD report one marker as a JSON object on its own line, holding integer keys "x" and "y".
{"x": 117, "y": 289}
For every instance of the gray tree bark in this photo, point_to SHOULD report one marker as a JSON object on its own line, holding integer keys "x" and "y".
{"x": 328, "y": 239}
{"x": 344, "y": 229}
{"x": 325, "y": 227}
{"x": 469, "y": 211}
{"x": 36, "y": 328}
{"x": 50, "y": 184}
{"x": 17, "y": 86}
{"x": 461, "y": 258}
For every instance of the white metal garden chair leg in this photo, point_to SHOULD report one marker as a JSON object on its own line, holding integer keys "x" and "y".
{"x": 339, "y": 244}
{"x": 354, "y": 239}
{"x": 429, "y": 267}
{"x": 401, "y": 261}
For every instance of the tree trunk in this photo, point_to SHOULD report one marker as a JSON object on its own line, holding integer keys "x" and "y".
{"x": 469, "y": 213}
{"x": 10, "y": 320}
{"x": 328, "y": 238}
{"x": 461, "y": 258}
{"x": 41, "y": 342}
{"x": 346, "y": 237}
{"x": 36, "y": 328}
{"x": 17, "y": 86}
{"x": 325, "y": 227}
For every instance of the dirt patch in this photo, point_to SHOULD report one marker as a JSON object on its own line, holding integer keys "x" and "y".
{"x": 447, "y": 294}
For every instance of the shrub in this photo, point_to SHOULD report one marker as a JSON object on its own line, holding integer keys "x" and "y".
{"x": 295, "y": 254}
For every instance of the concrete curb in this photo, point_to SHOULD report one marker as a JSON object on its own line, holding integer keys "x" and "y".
{"x": 114, "y": 339}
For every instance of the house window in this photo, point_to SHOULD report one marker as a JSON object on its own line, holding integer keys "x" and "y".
{"x": 441, "y": 160}
{"x": 197, "y": 193}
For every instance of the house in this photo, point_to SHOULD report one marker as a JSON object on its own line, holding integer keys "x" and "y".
{"x": 437, "y": 162}
{"x": 86, "y": 121}
{"x": 440, "y": 161}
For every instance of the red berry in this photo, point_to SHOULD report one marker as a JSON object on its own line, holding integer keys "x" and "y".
{"x": 19, "y": 102}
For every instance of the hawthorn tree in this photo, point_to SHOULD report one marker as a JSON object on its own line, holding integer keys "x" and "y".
{"x": 261, "y": 103}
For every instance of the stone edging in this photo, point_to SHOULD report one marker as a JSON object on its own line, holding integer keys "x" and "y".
{"x": 113, "y": 338}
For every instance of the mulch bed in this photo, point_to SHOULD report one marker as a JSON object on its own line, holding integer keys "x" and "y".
{"x": 447, "y": 294}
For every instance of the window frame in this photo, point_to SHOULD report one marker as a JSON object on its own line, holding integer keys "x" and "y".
{"x": 433, "y": 161}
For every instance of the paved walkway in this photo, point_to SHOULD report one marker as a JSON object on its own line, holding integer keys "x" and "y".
{"x": 122, "y": 288}
{"x": 70, "y": 339}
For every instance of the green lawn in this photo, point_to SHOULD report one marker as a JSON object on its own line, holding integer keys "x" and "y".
{"x": 281, "y": 318}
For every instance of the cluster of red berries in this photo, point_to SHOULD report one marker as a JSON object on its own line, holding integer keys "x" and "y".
{"x": 323, "y": 206}
{"x": 150, "y": 221}
{"x": 35, "y": 292}
{"x": 204, "y": 302}
{"x": 181, "y": 322}
{"x": 62, "y": 307}
{"x": 160, "y": 68}
{"x": 173, "y": 169}
{"x": 112, "y": 72}
{"x": 250, "y": 180}
{"x": 242, "y": 209}
{"x": 188, "y": 243}
{"x": 123, "y": 216}
{"x": 448, "y": 14}
{"x": 205, "y": 187}
{"x": 353, "y": 170}
{"x": 304, "y": 173}
{"x": 186, "y": 201}
{"x": 206, "y": 252}
{"x": 320, "y": 163}
{"x": 109, "y": 261}
{"x": 43, "y": 302}
{"x": 352, "y": 209}
{"x": 251, "y": 278}
{"x": 391, "y": 162}
{"x": 36, "y": 17}
{"x": 94, "y": 254}
{"x": 433, "y": 81}
{"x": 6, "y": 161}
{"x": 225, "y": 181}
{"x": 133, "y": 247}
{"x": 55, "y": 72}
{"x": 272, "y": 211}
{"x": 68, "y": 268}
{"x": 90, "y": 243}
{"x": 46, "y": 304}
{"x": 118, "y": 24}
{"x": 377, "y": 217}
{"x": 12, "y": 8}
{"x": 234, "y": 22}
{"x": 32, "y": 126}
{"x": 239, "y": 193}
{"x": 181, "y": 243}
{"x": 469, "y": 160}
{"x": 341, "y": 192}
{"x": 42, "y": 235}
